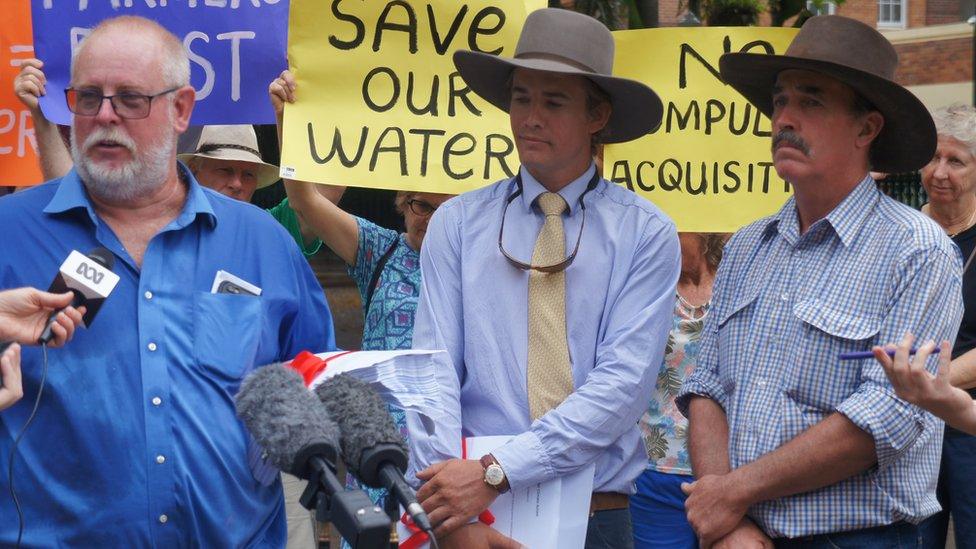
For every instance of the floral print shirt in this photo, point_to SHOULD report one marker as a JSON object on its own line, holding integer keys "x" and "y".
{"x": 663, "y": 428}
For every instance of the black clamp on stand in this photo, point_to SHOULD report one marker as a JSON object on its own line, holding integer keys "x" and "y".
{"x": 362, "y": 524}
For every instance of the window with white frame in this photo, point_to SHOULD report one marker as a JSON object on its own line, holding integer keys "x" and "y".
{"x": 891, "y": 13}
{"x": 825, "y": 8}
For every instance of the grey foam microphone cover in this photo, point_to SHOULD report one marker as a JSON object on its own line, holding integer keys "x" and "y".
{"x": 286, "y": 419}
{"x": 364, "y": 424}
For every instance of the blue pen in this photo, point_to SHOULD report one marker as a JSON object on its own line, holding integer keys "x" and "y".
{"x": 870, "y": 354}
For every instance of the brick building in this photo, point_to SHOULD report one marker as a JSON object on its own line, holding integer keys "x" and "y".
{"x": 932, "y": 37}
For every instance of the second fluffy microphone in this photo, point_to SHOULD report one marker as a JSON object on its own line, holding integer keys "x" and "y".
{"x": 372, "y": 447}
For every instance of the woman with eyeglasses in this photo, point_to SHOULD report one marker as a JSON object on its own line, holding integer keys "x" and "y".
{"x": 384, "y": 263}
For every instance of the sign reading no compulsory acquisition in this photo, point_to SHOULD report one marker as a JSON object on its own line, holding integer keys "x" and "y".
{"x": 380, "y": 103}
{"x": 708, "y": 165}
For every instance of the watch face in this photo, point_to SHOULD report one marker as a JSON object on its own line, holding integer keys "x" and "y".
{"x": 494, "y": 474}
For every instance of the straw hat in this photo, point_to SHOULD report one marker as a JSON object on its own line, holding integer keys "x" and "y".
{"x": 237, "y": 142}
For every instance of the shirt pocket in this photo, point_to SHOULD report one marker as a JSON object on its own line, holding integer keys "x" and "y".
{"x": 733, "y": 328}
{"x": 227, "y": 334}
{"x": 818, "y": 377}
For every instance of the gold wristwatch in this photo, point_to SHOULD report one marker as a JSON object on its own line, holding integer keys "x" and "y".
{"x": 494, "y": 474}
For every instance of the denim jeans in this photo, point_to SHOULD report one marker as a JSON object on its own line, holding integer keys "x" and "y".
{"x": 900, "y": 535}
{"x": 610, "y": 530}
{"x": 957, "y": 493}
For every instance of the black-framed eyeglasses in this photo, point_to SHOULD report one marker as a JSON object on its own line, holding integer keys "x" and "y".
{"x": 555, "y": 267}
{"x": 87, "y": 102}
{"x": 421, "y": 207}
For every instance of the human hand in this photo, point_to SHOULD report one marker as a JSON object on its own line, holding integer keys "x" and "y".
{"x": 913, "y": 383}
{"x": 30, "y": 84}
{"x": 282, "y": 90}
{"x": 453, "y": 493}
{"x": 714, "y": 507}
{"x": 24, "y": 313}
{"x": 745, "y": 536}
{"x": 477, "y": 536}
{"x": 11, "y": 389}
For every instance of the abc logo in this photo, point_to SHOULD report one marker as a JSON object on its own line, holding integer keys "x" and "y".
{"x": 90, "y": 272}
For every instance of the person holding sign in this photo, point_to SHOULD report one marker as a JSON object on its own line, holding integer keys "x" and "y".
{"x": 136, "y": 441}
{"x": 783, "y": 434}
{"x": 385, "y": 264}
{"x": 569, "y": 374}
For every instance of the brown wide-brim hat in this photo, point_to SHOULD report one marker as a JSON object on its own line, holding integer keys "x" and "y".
{"x": 237, "y": 142}
{"x": 860, "y": 57}
{"x": 566, "y": 42}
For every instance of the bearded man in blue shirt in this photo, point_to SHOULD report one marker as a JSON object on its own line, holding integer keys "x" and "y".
{"x": 785, "y": 435}
{"x": 554, "y": 339}
{"x": 136, "y": 442}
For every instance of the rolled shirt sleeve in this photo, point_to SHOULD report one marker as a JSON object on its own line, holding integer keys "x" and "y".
{"x": 929, "y": 305}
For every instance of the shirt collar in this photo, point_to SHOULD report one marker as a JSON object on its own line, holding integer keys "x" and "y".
{"x": 845, "y": 220}
{"x": 531, "y": 189}
{"x": 71, "y": 195}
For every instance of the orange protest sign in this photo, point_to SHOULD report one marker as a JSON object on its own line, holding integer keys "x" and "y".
{"x": 18, "y": 148}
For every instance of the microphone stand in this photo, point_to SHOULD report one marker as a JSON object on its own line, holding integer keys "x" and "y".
{"x": 363, "y": 524}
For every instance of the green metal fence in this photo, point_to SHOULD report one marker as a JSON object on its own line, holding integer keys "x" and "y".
{"x": 905, "y": 188}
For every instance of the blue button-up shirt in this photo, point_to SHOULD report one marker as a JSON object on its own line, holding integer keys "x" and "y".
{"x": 619, "y": 297}
{"x": 785, "y": 306}
{"x": 136, "y": 442}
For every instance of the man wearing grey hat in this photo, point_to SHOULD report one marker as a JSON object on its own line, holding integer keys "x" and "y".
{"x": 785, "y": 433}
{"x": 551, "y": 291}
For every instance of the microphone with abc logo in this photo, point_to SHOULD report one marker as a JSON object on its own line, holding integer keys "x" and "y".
{"x": 89, "y": 278}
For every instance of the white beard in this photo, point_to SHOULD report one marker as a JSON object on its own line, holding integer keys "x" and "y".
{"x": 137, "y": 178}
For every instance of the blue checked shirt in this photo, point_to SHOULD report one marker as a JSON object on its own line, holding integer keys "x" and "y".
{"x": 785, "y": 306}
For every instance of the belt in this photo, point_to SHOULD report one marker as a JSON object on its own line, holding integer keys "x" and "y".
{"x": 607, "y": 501}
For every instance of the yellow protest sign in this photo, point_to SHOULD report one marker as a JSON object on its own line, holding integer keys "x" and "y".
{"x": 379, "y": 102}
{"x": 708, "y": 165}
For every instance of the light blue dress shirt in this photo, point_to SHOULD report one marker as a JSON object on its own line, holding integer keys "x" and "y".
{"x": 785, "y": 306}
{"x": 619, "y": 298}
{"x": 136, "y": 442}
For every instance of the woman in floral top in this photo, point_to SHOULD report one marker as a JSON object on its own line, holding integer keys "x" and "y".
{"x": 657, "y": 509}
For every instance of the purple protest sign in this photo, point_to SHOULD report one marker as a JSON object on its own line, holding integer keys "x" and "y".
{"x": 236, "y": 48}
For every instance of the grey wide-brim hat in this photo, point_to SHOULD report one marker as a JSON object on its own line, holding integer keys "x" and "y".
{"x": 860, "y": 57}
{"x": 566, "y": 42}
{"x": 237, "y": 142}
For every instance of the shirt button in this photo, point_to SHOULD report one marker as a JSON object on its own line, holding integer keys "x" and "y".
{"x": 157, "y": 401}
{"x": 160, "y": 459}
{"x": 784, "y": 296}
{"x": 151, "y": 346}
{"x": 163, "y": 519}
{"x": 148, "y": 294}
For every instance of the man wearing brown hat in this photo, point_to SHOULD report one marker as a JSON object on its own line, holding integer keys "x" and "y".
{"x": 784, "y": 432}
{"x": 550, "y": 323}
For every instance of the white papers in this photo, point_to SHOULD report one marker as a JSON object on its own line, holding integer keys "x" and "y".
{"x": 550, "y": 515}
{"x": 403, "y": 378}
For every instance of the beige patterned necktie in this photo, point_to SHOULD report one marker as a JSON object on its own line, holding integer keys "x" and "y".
{"x": 550, "y": 376}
